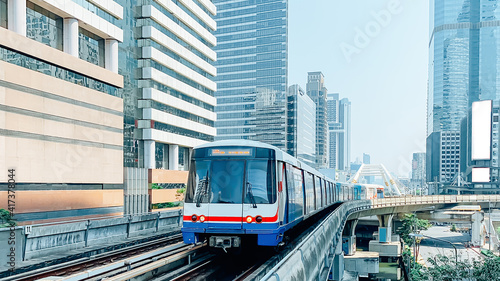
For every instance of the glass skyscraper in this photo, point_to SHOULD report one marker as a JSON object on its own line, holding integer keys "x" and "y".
{"x": 464, "y": 59}
{"x": 251, "y": 70}
{"x": 463, "y": 68}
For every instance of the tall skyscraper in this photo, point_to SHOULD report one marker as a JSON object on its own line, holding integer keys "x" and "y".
{"x": 301, "y": 128}
{"x": 252, "y": 53}
{"x": 339, "y": 132}
{"x": 417, "y": 181}
{"x": 367, "y": 160}
{"x": 345, "y": 138}
{"x": 174, "y": 90}
{"x": 317, "y": 91}
{"x": 463, "y": 68}
{"x": 169, "y": 93}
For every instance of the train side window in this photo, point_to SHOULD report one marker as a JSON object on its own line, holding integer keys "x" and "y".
{"x": 319, "y": 192}
{"x": 310, "y": 195}
{"x": 260, "y": 182}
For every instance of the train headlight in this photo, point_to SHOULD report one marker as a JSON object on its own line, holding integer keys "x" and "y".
{"x": 202, "y": 218}
{"x": 249, "y": 219}
{"x": 194, "y": 218}
{"x": 258, "y": 219}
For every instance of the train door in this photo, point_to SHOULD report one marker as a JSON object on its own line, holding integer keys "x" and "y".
{"x": 326, "y": 188}
{"x": 283, "y": 196}
{"x": 318, "y": 193}
{"x": 227, "y": 185}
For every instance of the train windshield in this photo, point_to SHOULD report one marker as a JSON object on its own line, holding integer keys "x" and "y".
{"x": 231, "y": 181}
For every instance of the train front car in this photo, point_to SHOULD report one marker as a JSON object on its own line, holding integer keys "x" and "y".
{"x": 231, "y": 196}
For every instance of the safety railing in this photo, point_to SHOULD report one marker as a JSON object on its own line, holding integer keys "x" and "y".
{"x": 433, "y": 199}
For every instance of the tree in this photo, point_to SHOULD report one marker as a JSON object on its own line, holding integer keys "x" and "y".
{"x": 443, "y": 268}
{"x": 412, "y": 224}
{"x": 6, "y": 219}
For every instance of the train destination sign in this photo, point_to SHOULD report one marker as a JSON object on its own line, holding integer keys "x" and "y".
{"x": 230, "y": 152}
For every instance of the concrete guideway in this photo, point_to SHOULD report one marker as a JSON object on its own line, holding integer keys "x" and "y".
{"x": 320, "y": 256}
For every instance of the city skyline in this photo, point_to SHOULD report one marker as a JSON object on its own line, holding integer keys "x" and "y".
{"x": 383, "y": 70}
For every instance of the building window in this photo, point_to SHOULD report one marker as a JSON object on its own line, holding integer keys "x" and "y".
{"x": 183, "y": 158}
{"x": 90, "y": 47}
{"x": 3, "y": 13}
{"x": 44, "y": 26}
{"x": 161, "y": 155}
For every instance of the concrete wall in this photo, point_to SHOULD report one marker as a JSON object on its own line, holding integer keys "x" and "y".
{"x": 44, "y": 240}
{"x": 5, "y": 233}
{"x": 167, "y": 176}
{"x": 311, "y": 260}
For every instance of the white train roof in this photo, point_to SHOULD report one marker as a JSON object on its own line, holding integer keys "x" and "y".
{"x": 280, "y": 154}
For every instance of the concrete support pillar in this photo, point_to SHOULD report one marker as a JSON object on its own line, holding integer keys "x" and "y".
{"x": 385, "y": 228}
{"x": 70, "y": 35}
{"x": 477, "y": 238}
{"x": 149, "y": 154}
{"x": 337, "y": 270}
{"x": 349, "y": 238}
{"x": 111, "y": 55}
{"x": 17, "y": 16}
{"x": 173, "y": 155}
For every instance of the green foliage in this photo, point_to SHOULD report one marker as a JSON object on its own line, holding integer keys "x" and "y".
{"x": 453, "y": 228}
{"x": 412, "y": 224}
{"x": 155, "y": 186}
{"x": 181, "y": 190}
{"x": 447, "y": 269}
{"x": 166, "y": 205}
{"x": 6, "y": 219}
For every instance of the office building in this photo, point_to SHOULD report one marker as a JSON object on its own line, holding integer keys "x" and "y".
{"x": 106, "y": 85}
{"x": 442, "y": 165}
{"x": 418, "y": 180}
{"x": 61, "y": 110}
{"x": 252, "y": 54}
{"x": 317, "y": 91}
{"x": 480, "y": 149}
{"x": 169, "y": 94}
{"x": 301, "y": 127}
{"x": 462, "y": 66}
{"x": 367, "y": 160}
{"x": 339, "y": 132}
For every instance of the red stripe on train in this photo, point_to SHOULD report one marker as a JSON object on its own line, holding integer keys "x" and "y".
{"x": 232, "y": 219}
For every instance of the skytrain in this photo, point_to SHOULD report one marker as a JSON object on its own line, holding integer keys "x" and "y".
{"x": 242, "y": 191}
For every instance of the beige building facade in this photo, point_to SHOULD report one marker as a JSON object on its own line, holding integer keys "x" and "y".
{"x": 61, "y": 114}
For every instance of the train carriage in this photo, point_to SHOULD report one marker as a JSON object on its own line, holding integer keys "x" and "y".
{"x": 239, "y": 189}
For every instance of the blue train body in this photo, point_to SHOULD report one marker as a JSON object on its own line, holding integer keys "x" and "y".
{"x": 244, "y": 189}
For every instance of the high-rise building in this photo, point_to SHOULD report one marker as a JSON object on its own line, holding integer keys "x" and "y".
{"x": 443, "y": 164}
{"x": 480, "y": 145}
{"x": 252, "y": 54}
{"x": 462, "y": 68}
{"x": 334, "y": 129}
{"x": 317, "y": 91}
{"x": 301, "y": 128}
{"x": 339, "y": 132}
{"x": 417, "y": 181}
{"x": 169, "y": 94}
{"x": 345, "y": 138}
{"x": 61, "y": 110}
{"x": 105, "y": 85}
{"x": 367, "y": 160}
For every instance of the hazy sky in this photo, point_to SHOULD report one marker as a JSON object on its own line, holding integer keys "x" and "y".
{"x": 374, "y": 52}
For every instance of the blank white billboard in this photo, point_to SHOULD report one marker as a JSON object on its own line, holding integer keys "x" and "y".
{"x": 481, "y": 130}
{"x": 480, "y": 174}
